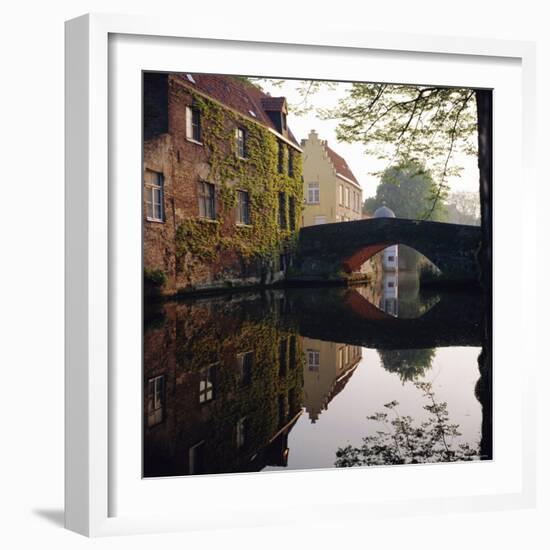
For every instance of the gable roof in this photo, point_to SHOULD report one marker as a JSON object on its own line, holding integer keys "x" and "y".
{"x": 237, "y": 94}
{"x": 340, "y": 164}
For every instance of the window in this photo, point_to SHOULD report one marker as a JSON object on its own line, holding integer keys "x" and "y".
{"x": 243, "y": 212}
{"x": 242, "y": 432}
{"x": 347, "y": 197}
{"x": 207, "y": 203}
{"x": 320, "y": 220}
{"x": 341, "y": 357}
{"x": 282, "y": 210}
{"x": 282, "y": 410}
{"x": 313, "y": 359}
{"x": 391, "y": 258}
{"x": 313, "y": 193}
{"x": 391, "y": 284}
{"x": 206, "y": 385}
{"x": 196, "y": 458}
{"x": 290, "y": 164}
{"x": 292, "y": 213}
{"x": 154, "y": 195}
{"x": 193, "y": 122}
{"x": 280, "y": 157}
{"x": 282, "y": 357}
{"x": 341, "y": 200}
{"x": 240, "y": 138}
{"x": 245, "y": 362}
{"x": 284, "y": 121}
{"x": 155, "y": 400}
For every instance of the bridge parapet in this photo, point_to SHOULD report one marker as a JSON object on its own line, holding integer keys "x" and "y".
{"x": 327, "y": 251}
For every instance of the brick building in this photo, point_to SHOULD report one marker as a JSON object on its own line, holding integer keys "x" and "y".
{"x": 222, "y": 183}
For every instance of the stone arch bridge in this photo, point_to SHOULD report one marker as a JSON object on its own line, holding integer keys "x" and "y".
{"x": 329, "y": 249}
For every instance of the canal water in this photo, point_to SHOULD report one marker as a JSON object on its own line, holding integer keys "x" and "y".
{"x": 315, "y": 378}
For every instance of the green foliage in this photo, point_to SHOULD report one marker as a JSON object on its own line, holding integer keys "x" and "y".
{"x": 155, "y": 277}
{"x": 409, "y": 190}
{"x": 397, "y": 122}
{"x": 198, "y": 240}
{"x": 463, "y": 207}
{"x": 403, "y": 441}
{"x": 408, "y": 364}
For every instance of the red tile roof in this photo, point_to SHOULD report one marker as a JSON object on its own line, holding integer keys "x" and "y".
{"x": 237, "y": 94}
{"x": 340, "y": 164}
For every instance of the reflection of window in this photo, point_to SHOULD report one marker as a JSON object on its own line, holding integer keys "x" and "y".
{"x": 206, "y": 385}
{"x": 313, "y": 359}
{"x": 282, "y": 411}
{"x": 292, "y": 352}
{"x": 341, "y": 357}
{"x": 313, "y": 193}
{"x": 391, "y": 258}
{"x": 282, "y": 357}
{"x": 154, "y": 195}
{"x": 391, "y": 284}
{"x": 155, "y": 400}
{"x": 207, "y": 204}
{"x": 243, "y": 215}
{"x": 245, "y": 362}
{"x": 242, "y": 432}
{"x": 196, "y": 458}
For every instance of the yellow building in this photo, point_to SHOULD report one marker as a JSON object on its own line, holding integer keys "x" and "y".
{"x": 331, "y": 191}
{"x": 327, "y": 368}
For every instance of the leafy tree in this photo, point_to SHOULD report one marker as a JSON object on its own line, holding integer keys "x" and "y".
{"x": 409, "y": 190}
{"x": 463, "y": 207}
{"x": 402, "y": 441}
{"x": 408, "y": 364}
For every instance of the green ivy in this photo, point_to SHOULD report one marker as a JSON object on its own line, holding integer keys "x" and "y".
{"x": 199, "y": 241}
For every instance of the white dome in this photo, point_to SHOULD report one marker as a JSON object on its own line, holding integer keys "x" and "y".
{"x": 384, "y": 212}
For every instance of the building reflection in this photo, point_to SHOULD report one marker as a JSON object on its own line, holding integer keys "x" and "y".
{"x": 221, "y": 391}
{"x": 328, "y": 367}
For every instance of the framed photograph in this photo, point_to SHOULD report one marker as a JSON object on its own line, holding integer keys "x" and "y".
{"x": 288, "y": 275}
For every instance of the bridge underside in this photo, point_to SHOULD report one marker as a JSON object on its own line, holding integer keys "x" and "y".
{"x": 327, "y": 251}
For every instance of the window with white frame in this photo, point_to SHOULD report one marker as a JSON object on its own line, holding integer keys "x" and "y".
{"x": 240, "y": 141}
{"x": 313, "y": 357}
{"x": 193, "y": 124}
{"x": 154, "y": 195}
{"x": 341, "y": 200}
{"x": 313, "y": 192}
{"x": 155, "y": 400}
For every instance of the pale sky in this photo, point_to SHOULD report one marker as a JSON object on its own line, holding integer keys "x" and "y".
{"x": 360, "y": 163}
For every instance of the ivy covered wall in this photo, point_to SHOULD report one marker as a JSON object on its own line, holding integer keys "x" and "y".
{"x": 194, "y": 252}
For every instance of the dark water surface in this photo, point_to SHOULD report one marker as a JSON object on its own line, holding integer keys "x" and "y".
{"x": 285, "y": 379}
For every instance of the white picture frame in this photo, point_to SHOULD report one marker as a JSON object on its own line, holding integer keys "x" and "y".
{"x": 97, "y": 410}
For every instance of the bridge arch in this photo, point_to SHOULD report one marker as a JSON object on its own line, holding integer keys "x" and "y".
{"x": 344, "y": 246}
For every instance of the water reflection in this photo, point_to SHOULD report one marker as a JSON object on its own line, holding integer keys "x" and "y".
{"x": 283, "y": 379}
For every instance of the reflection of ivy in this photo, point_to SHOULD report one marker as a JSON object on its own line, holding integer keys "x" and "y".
{"x": 198, "y": 241}
{"x": 213, "y": 333}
